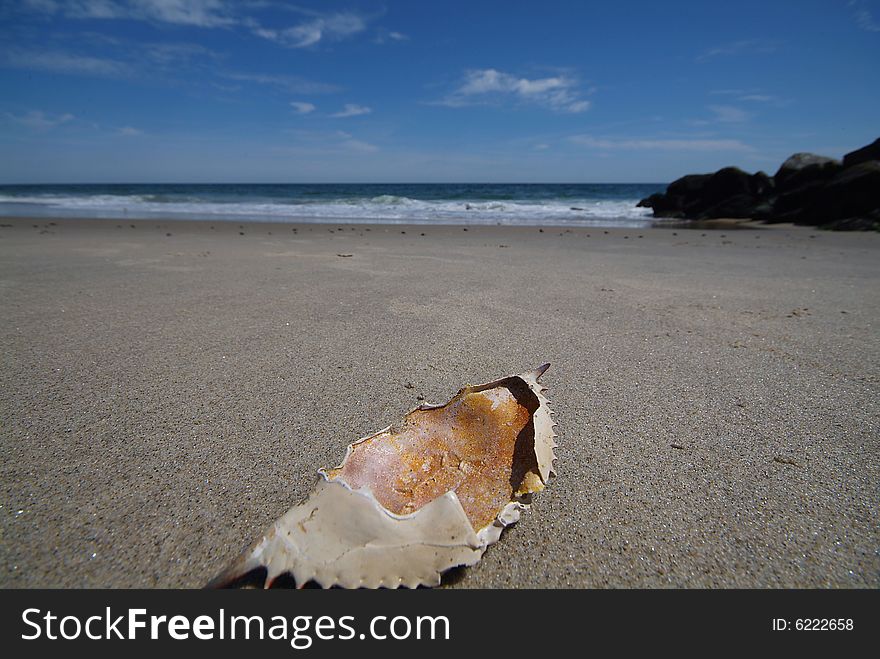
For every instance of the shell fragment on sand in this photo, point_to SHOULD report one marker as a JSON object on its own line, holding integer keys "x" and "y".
{"x": 417, "y": 498}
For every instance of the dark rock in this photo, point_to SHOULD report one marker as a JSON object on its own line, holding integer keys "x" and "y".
{"x": 804, "y": 169}
{"x": 729, "y": 192}
{"x": 866, "y": 153}
{"x": 853, "y": 193}
{"x": 739, "y": 206}
{"x": 763, "y": 210}
{"x": 664, "y": 205}
{"x": 762, "y": 184}
{"x": 807, "y": 189}
{"x": 726, "y": 183}
{"x": 687, "y": 185}
{"x": 789, "y": 206}
{"x": 870, "y": 222}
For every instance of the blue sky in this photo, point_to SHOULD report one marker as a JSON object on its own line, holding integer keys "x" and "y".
{"x": 265, "y": 90}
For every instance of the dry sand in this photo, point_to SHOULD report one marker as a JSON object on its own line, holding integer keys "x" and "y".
{"x": 163, "y": 398}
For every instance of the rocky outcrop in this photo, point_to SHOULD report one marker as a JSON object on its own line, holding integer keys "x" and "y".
{"x": 804, "y": 169}
{"x": 729, "y": 192}
{"x": 866, "y": 153}
{"x": 807, "y": 189}
{"x": 849, "y": 199}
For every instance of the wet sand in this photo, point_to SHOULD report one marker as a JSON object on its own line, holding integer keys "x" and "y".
{"x": 168, "y": 389}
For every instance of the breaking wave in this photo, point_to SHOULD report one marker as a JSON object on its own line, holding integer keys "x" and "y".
{"x": 218, "y": 203}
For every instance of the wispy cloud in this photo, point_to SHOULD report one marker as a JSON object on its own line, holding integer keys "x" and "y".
{"x": 174, "y": 54}
{"x": 353, "y": 144}
{"x": 329, "y": 27}
{"x": 752, "y": 96}
{"x": 39, "y": 121}
{"x": 301, "y": 107}
{"x": 864, "y": 17}
{"x": 744, "y": 47}
{"x": 289, "y": 83}
{"x": 323, "y": 143}
{"x": 385, "y": 36}
{"x": 352, "y": 110}
{"x": 729, "y": 114}
{"x": 116, "y": 57}
{"x": 560, "y": 93}
{"x": 129, "y": 131}
{"x": 201, "y": 13}
{"x": 41, "y": 6}
{"x": 314, "y": 28}
{"x": 198, "y": 13}
{"x": 106, "y": 9}
{"x": 62, "y": 62}
{"x": 728, "y": 92}
{"x": 658, "y": 144}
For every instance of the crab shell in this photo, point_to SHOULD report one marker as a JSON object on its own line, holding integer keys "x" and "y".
{"x": 414, "y": 500}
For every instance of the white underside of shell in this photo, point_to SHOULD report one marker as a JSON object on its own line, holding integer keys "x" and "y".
{"x": 344, "y": 537}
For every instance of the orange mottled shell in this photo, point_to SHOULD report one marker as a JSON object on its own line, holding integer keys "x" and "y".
{"x": 417, "y": 498}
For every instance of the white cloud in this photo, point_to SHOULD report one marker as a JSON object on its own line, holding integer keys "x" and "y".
{"x": 301, "y": 107}
{"x": 40, "y": 121}
{"x": 125, "y": 59}
{"x": 44, "y": 6}
{"x": 289, "y": 83}
{"x": 314, "y": 28}
{"x": 95, "y": 9}
{"x": 323, "y": 142}
{"x": 866, "y": 21}
{"x": 864, "y": 18}
{"x": 753, "y": 96}
{"x": 658, "y": 144}
{"x": 559, "y": 93}
{"x": 744, "y": 47}
{"x": 383, "y": 36}
{"x": 729, "y": 114}
{"x": 352, "y": 110}
{"x": 168, "y": 54}
{"x": 359, "y": 146}
{"x": 728, "y": 92}
{"x": 490, "y": 80}
{"x": 332, "y": 27}
{"x": 578, "y": 106}
{"x": 60, "y": 62}
{"x": 349, "y": 143}
{"x": 199, "y": 13}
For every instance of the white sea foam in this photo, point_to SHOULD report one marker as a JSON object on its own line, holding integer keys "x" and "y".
{"x": 383, "y": 208}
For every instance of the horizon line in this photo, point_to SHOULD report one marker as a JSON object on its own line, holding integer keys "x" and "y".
{"x": 344, "y": 183}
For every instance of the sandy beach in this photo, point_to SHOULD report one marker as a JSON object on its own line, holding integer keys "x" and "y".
{"x": 168, "y": 389}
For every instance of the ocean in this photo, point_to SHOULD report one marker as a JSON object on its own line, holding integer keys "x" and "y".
{"x": 581, "y": 204}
